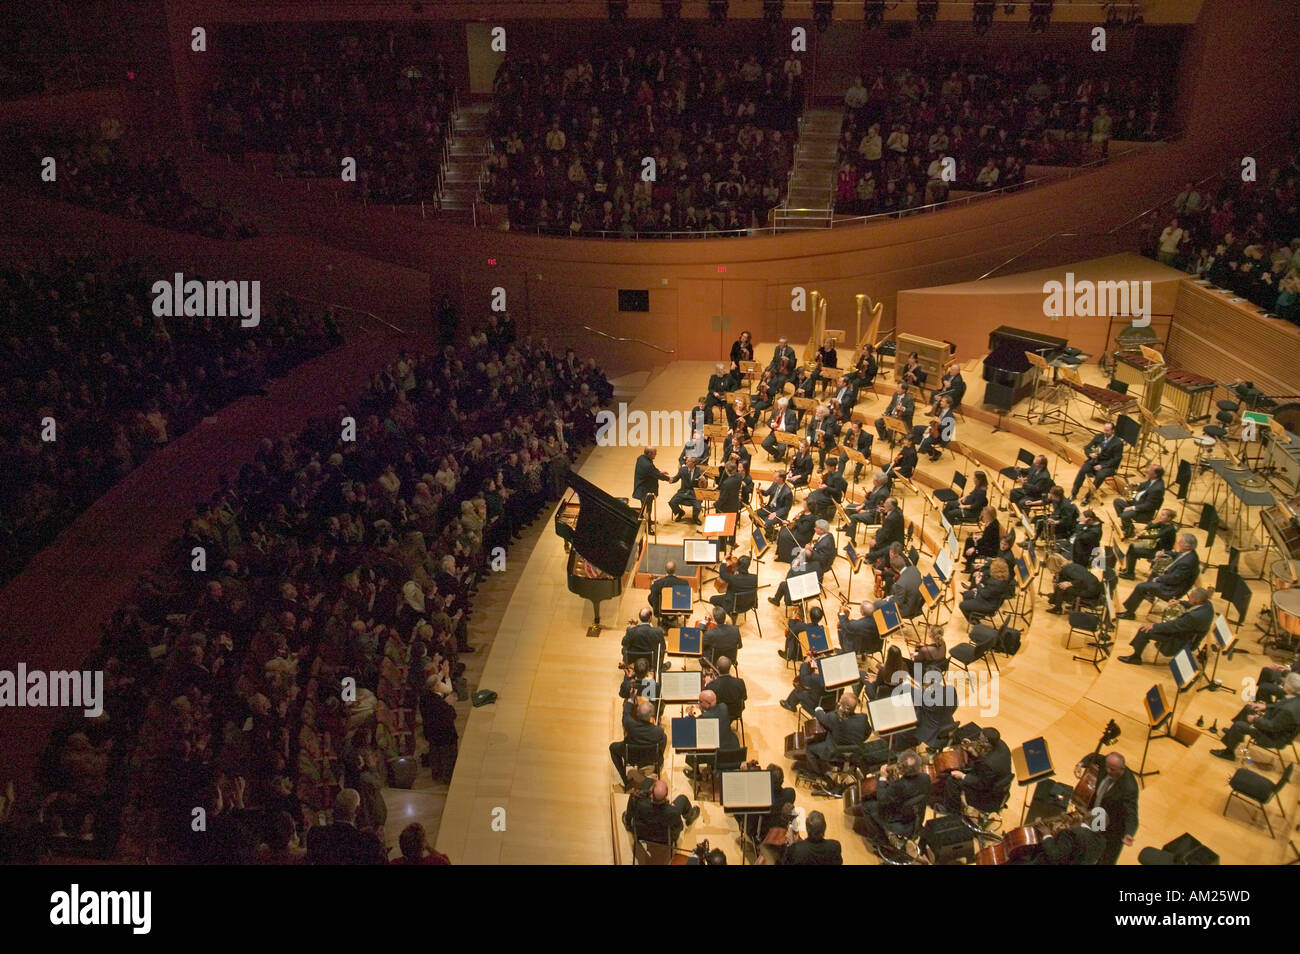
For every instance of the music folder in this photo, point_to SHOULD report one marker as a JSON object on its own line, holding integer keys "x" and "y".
{"x": 696, "y": 734}
{"x": 675, "y": 598}
{"x": 746, "y": 792}
{"x": 690, "y": 641}
{"x": 805, "y": 586}
{"x": 699, "y": 552}
{"x": 943, "y": 566}
{"x": 1223, "y": 636}
{"x": 1184, "y": 668}
{"x": 1022, "y": 571}
{"x": 1032, "y": 761}
{"x": 681, "y": 686}
{"x": 892, "y": 713}
{"x": 1157, "y": 705}
{"x": 886, "y": 616}
{"x": 818, "y": 641}
{"x": 839, "y": 670}
{"x": 930, "y": 589}
{"x": 851, "y": 554}
{"x": 758, "y": 538}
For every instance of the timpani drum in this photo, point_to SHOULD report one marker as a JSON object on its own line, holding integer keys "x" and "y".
{"x": 1284, "y": 574}
{"x": 1286, "y": 610}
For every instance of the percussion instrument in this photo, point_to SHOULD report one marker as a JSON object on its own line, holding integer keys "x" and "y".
{"x": 1284, "y": 574}
{"x": 1204, "y": 440}
{"x": 1108, "y": 402}
{"x": 1286, "y": 610}
{"x": 1283, "y": 529}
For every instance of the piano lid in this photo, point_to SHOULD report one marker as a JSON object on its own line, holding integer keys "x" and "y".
{"x": 1025, "y": 340}
{"x": 607, "y": 528}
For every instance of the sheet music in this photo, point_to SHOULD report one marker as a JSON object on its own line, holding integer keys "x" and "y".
{"x": 804, "y": 586}
{"x": 839, "y": 670}
{"x": 681, "y": 686}
{"x": 698, "y": 551}
{"x": 715, "y": 523}
{"x": 893, "y": 713}
{"x": 943, "y": 565}
{"x": 746, "y": 790}
{"x": 1183, "y": 666}
{"x": 954, "y": 545}
{"x": 1222, "y": 634}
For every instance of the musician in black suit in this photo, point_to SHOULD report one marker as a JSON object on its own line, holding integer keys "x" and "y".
{"x": 645, "y": 480}
{"x": 1073, "y": 581}
{"x": 643, "y": 641}
{"x": 951, "y": 386}
{"x": 990, "y": 589}
{"x": 720, "y": 383}
{"x": 1061, "y": 516}
{"x": 729, "y": 689}
{"x": 936, "y": 435}
{"x": 730, "y": 484}
{"x": 784, "y": 417}
{"x": 823, "y": 551}
{"x": 860, "y": 635}
{"x": 802, "y": 563}
{"x": 810, "y": 690}
{"x": 870, "y": 511}
{"x": 793, "y": 627}
{"x": 985, "y": 782}
{"x": 822, "y": 431}
{"x": 1148, "y": 499}
{"x": 1117, "y": 796}
{"x": 783, "y": 350}
{"x": 900, "y": 406}
{"x": 639, "y": 730}
{"x": 652, "y": 817}
{"x": 688, "y": 475}
{"x": 778, "y": 497}
{"x": 742, "y": 349}
{"x": 1104, "y": 453}
{"x": 723, "y": 639}
{"x": 846, "y": 397}
{"x": 816, "y": 849}
{"x": 891, "y": 531}
{"x": 1162, "y": 531}
{"x": 1087, "y": 537}
{"x": 897, "y": 803}
{"x": 912, "y": 374}
{"x": 1034, "y": 485}
{"x": 859, "y": 439}
{"x": 984, "y": 543}
{"x": 969, "y": 507}
{"x": 904, "y": 462}
{"x": 1271, "y": 724}
{"x": 845, "y": 727}
{"x": 712, "y": 708}
{"x": 801, "y": 466}
{"x": 1174, "y": 635}
{"x": 736, "y": 444}
{"x": 797, "y": 534}
{"x": 742, "y": 588}
{"x": 658, "y": 585}
{"x": 822, "y": 501}
{"x": 1173, "y": 583}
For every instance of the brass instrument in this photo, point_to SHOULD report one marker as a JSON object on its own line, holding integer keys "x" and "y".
{"x": 1160, "y": 562}
{"x": 1174, "y": 610}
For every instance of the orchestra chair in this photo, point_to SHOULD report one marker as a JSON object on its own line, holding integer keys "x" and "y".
{"x": 743, "y": 605}
{"x": 643, "y": 755}
{"x": 953, "y": 492}
{"x": 988, "y": 813}
{"x": 1276, "y": 744}
{"x": 723, "y": 760}
{"x": 904, "y": 847}
{"x": 1091, "y": 619}
{"x": 982, "y": 640}
{"x": 1023, "y": 459}
{"x": 1256, "y": 791}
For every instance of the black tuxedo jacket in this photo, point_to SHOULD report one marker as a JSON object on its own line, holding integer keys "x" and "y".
{"x": 778, "y": 354}
{"x": 845, "y": 730}
{"x": 1109, "y": 450}
{"x": 1150, "y": 496}
{"x": 722, "y": 640}
{"x": 809, "y": 852}
{"x": 1086, "y": 539}
{"x": 779, "y": 500}
{"x": 642, "y": 640}
{"x": 657, "y": 586}
{"x": 646, "y": 478}
{"x": 859, "y": 635}
{"x": 1179, "y": 576}
{"x": 891, "y": 528}
{"x": 729, "y": 494}
{"x": 823, "y": 554}
{"x": 730, "y": 691}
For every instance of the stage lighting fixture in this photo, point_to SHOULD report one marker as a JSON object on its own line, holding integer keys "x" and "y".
{"x": 617, "y": 11}
{"x": 823, "y": 13}
{"x": 873, "y": 11}
{"x": 773, "y": 10}
{"x": 672, "y": 9}
{"x": 927, "y": 11}
{"x": 1040, "y": 15}
{"x": 982, "y": 15}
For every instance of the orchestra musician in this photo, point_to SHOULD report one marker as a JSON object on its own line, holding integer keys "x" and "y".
{"x": 891, "y": 531}
{"x": 859, "y": 439}
{"x": 643, "y": 640}
{"x": 639, "y": 730}
{"x": 822, "y": 431}
{"x": 784, "y": 418}
{"x": 697, "y": 447}
{"x": 729, "y": 689}
{"x": 653, "y": 818}
{"x": 900, "y": 406}
{"x": 912, "y": 374}
{"x": 1034, "y": 485}
{"x": 861, "y": 635}
{"x": 711, "y": 708}
{"x": 746, "y": 481}
{"x": 936, "y": 435}
{"x": 638, "y": 683}
{"x": 930, "y": 655}
{"x": 1104, "y": 453}
{"x": 846, "y": 397}
{"x": 736, "y": 445}
{"x": 891, "y": 674}
{"x": 742, "y": 349}
{"x": 822, "y": 501}
{"x": 816, "y": 849}
{"x": 793, "y": 627}
{"x": 778, "y": 498}
{"x": 951, "y": 386}
{"x": 1076, "y": 845}
{"x": 783, "y": 353}
{"x": 730, "y": 484}
{"x": 985, "y": 544}
{"x": 846, "y": 727}
{"x": 720, "y": 383}
{"x": 1117, "y": 795}
{"x": 1174, "y": 635}
{"x": 1272, "y": 723}
{"x": 823, "y": 551}
{"x": 1007, "y": 547}
{"x": 688, "y": 475}
{"x": 906, "y": 591}
{"x": 872, "y": 506}
{"x": 646, "y": 478}
{"x": 765, "y": 393}
{"x": 803, "y": 562}
{"x": 809, "y": 688}
{"x": 969, "y": 508}
{"x": 985, "y": 782}
{"x": 1061, "y": 516}
{"x": 722, "y": 639}
{"x": 783, "y": 808}
{"x": 741, "y": 412}
{"x": 1073, "y": 581}
{"x": 796, "y": 533}
{"x": 1162, "y": 531}
{"x": 990, "y": 588}
{"x": 742, "y": 587}
{"x": 1271, "y": 678}
{"x": 1087, "y": 537}
{"x": 658, "y": 585}
{"x": 896, "y": 805}
{"x": 1176, "y": 580}
{"x": 1145, "y": 502}
{"x": 865, "y": 368}
{"x": 826, "y": 354}
{"x": 801, "y": 466}
{"x": 904, "y": 462}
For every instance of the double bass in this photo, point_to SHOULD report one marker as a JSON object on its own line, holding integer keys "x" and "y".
{"x": 1086, "y": 788}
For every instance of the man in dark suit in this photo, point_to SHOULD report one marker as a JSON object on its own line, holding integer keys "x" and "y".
{"x": 645, "y": 480}
{"x": 723, "y": 639}
{"x": 869, "y": 512}
{"x": 890, "y": 532}
{"x": 1117, "y": 796}
{"x": 860, "y": 635}
{"x": 986, "y": 781}
{"x": 845, "y": 727}
{"x": 652, "y": 817}
{"x": 1087, "y": 537}
{"x": 822, "y": 501}
{"x": 803, "y": 562}
{"x": 951, "y": 386}
{"x": 688, "y": 475}
{"x": 822, "y": 432}
{"x": 719, "y": 384}
{"x": 1061, "y": 516}
{"x": 712, "y": 708}
{"x": 729, "y": 485}
{"x": 897, "y": 803}
{"x": 846, "y": 396}
{"x": 639, "y": 731}
{"x": 1162, "y": 532}
{"x": 1148, "y": 499}
{"x": 900, "y": 406}
{"x": 1035, "y": 484}
{"x": 340, "y": 843}
{"x": 785, "y": 417}
{"x": 816, "y": 849}
{"x": 729, "y": 689}
{"x": 742, "y": 588}
{"x": 1104, "y": 453}
{"x": 1174, "y": 635}
{"x": 643, "y": 641}
{"x": 1073, "y": 581}
{"x": 1275, "y": 723}
{"x": 906, "y": 590}
{"x": 858, "y": 438}
{"x": 659, "y": 584}
{"x": 797, "y": 535}
{"x": 932, "y": 444}
{"x": 778, "y": 497}
{"x": 1173, "y": 583}
{"x": 823, "y": 551}
{"x": 809, "y": 696}
{"x": 793, "y": 628}
{"x": 783, "y": 350}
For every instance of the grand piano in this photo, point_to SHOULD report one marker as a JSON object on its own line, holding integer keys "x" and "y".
{"x": 1008, "y": 372}
{"x": 604, "y": 536}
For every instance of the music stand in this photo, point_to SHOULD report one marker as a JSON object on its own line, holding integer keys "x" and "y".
{"x": 676, "y": 600}
{"x": 719, "y": 525}
{"x": 1158, "y": 713}
{"x": 855, "y": 562}
{"x": 684, "y": 641}
{"x": 1186, "y": 671}
{"x": 892, "y": 714}
{"x": 1224, "y": 638}
{"x": 840, "y": 669}
{"x": 895, "y": 428}
{"x": 759, "y": 539}
{"x": 680, "y": 687}
{"x": 1031, "y": 762}
{"x": 745, "y": 794}
{"x": 858, "y": 458}
{"x": 886, "y": 617}
{"x": 697, "y": 736}
{"x": 698, "y": 551}
{"x": 803, "y": 587}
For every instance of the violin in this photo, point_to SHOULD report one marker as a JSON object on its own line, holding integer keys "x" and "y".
{"x": 731, "y": 565}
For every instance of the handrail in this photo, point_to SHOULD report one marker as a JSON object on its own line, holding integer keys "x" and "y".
{"x": 360, "y": 311}
{"x": 603, "y": 334}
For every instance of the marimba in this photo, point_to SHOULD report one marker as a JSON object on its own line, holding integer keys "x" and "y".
{"x": 1188, "y": 393}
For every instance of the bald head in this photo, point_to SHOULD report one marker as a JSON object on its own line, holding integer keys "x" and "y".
{"x": 724, "y": 665}
{"x": 660, "y": 791}
{"x": 708, "y": 699}
{"x": 1114, "y": 765}
{"x": 670, "y": 567}
{"x": 645, "y": 711}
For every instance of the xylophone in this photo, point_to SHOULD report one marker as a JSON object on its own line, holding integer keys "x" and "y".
{"x": 1190, "y": 392}
{"x": 1109, "y": 403}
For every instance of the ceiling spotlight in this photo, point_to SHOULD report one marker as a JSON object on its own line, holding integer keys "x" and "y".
{"x": 927, "y": 11}
{"x": 982, "y": 15}
{"x": 773, "y": 10}
{"x": 873, "y": 11}
{"x": 718, "y": 10}
{"x": 1040, "y": 15}
{"x": 823, "y": 13}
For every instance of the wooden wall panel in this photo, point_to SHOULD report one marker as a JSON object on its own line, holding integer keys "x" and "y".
{"x": 1226, "y": 341}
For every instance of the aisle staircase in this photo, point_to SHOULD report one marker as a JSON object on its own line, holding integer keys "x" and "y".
{"x": 467, "y": 150}
{"x": 810, "y": 200}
